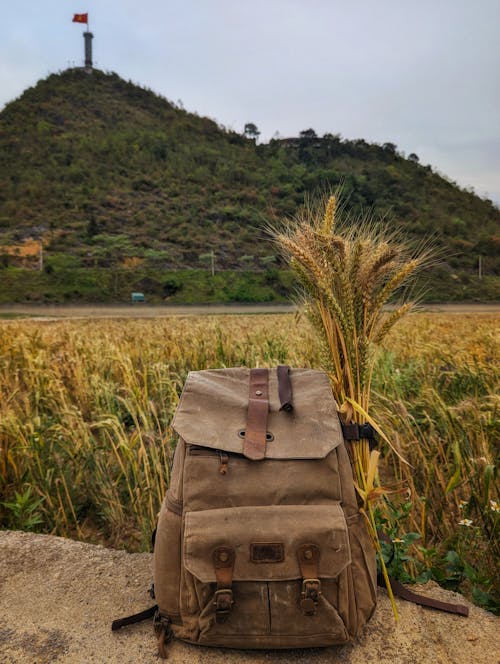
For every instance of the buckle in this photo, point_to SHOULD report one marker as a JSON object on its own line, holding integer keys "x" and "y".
{"x": 162, "y": 624}
{"x": 163, "y": 631}
{"x": 355, "y": 432}
{"x": 311, "y": 592}
{"x": 223, "y": 601}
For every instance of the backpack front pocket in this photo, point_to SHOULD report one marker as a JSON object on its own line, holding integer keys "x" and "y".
{"x": 265, "y": 576}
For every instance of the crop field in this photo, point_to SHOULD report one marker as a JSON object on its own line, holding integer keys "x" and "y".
{"x": 86, "y": 442}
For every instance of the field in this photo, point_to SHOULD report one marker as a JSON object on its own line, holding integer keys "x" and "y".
{"x": 86, "y": 443}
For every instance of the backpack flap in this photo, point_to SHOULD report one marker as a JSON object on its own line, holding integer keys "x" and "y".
{"x": 213, "y": 413}
{"x": 267, "y": 547}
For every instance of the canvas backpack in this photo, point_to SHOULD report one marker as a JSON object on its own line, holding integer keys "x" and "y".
{"x": 260, "y": 542}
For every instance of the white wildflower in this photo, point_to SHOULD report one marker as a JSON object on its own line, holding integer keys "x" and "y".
{"x": 465, "y": 522}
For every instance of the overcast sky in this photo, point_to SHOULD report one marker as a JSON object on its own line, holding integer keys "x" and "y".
{"x": 424, "y": 74}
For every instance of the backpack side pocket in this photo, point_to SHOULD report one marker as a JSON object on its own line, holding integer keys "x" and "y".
{"x": 362, "y": 574}
{"x": 167, "y": 559}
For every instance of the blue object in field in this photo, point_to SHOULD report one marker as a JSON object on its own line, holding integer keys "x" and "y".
{"x": 138, "y": 297}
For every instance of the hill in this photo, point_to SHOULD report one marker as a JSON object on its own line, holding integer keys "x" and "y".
{"x": 125, "y": 188}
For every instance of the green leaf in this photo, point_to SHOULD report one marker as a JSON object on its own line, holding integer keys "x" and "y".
{"x": 486, "y": 600}
{"x": 409, "y": 538}
{"x": 454, "y": 481}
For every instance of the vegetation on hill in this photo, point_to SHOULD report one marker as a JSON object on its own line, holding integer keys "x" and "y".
{"x": 114, "y": 177}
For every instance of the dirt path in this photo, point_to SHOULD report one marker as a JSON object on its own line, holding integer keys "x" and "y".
{"x": 147, "y": 311}
{"x": 138, "y": 311}
{"x": 59, "y": 597}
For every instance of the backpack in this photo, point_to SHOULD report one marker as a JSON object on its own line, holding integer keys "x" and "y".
{"x": 260, "y": 542}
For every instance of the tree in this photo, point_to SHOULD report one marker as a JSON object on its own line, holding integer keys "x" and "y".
{"x": 251, "y": 131}
{"x": 332, "y": 137}
{"x": 308, "y": 133}
{"x": 208, "y": 259}
{"x": 413, "y": 157}
{"x": 92, "y": 227}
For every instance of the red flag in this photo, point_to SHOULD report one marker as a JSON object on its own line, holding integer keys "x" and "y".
{"x": 80, "y": 18}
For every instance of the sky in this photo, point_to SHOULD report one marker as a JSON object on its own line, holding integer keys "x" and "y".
{"x": 423, "y": 74}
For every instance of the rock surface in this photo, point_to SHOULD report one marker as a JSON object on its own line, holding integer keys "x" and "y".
{"x": 58, "y": 599}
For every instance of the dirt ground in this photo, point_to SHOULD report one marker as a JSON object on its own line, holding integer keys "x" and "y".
{"x": 148, "y": 311}
{"x": 58, "y": 599}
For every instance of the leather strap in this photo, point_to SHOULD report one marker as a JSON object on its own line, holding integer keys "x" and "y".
{"x": 350, "y": 431}
{"x": 308, "y": 557}
{"x": 163, "y": 630}
{"x": 130, "y": 620}
{"x": 223, "y": 559}
{"x": 401, "y": 591}
{"x": 254, "y": 445}
{"x": 285, "y": 388}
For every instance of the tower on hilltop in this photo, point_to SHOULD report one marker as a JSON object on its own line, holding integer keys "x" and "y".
{"x": 87, "y": 38}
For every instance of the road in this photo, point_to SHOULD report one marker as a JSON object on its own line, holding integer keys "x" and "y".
{"x": 148, "y": 311}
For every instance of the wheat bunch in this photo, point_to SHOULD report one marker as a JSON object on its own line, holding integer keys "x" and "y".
{"x": 349, "y": 272}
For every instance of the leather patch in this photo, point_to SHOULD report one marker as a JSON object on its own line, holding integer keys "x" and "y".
{"x": 267, "y": 552}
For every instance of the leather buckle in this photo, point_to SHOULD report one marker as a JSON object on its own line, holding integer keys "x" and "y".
{"x": 311, "y": 592}
{"x": 161, "y": 622}
{"x": 223, "y": 601}
{"x": 163, "y": 630}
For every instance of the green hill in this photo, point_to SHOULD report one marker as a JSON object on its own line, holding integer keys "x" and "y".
{"x": 125, "y": 189}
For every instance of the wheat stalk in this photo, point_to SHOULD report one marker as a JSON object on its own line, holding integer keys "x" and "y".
{"x": 349, "y": 271}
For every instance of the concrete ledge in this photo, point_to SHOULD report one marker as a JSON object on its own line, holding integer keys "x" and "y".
{"x": 58, "y": 599}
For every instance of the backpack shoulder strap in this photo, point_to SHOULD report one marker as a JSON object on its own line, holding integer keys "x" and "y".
{"x": 404, "y": 593}
{"x": 135, "y": 618}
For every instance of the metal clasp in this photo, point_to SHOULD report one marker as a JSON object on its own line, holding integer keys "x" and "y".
{"x": 311, "y": 592}
{"x": 223, "y": 601}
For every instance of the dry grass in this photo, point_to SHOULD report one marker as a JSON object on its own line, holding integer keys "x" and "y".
{"x": 437, "y": 393}
{"x": 85, "y": 410}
